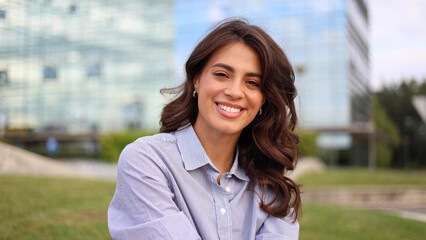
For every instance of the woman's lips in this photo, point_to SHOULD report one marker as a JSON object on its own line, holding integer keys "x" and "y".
{"x": 229, "y": 110}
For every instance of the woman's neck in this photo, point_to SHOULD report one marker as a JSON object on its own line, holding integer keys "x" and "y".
{"x": 219, "y": 147}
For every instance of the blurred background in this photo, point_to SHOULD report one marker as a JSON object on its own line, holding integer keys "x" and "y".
{"x": 81, "y": 79}
{"x": 73, "y": 71}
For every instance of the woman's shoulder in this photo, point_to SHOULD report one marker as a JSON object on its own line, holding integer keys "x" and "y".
{"x": 149, "y": 156}
{"x": 155, "y": 142}
{"x": 157, "y": 138}
{"x": 151, "y": 147}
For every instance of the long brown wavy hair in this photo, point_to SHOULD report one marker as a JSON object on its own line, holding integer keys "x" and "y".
{"x": 268, "y": 145}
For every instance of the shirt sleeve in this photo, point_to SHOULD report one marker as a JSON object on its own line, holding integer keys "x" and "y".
{"x": 275, "y": 228}
{"x": 143, "y": 206}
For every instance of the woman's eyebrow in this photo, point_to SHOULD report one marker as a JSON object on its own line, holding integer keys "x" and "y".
{"x": 252, "y": 74}
{"x": 226, "y": 66}
{"x": 231, "y": 69}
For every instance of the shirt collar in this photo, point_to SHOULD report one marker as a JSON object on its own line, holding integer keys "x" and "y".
{"x": 194, "y": 155}
{"x": 191, "y": 150}
{"x": 237, "y": 170}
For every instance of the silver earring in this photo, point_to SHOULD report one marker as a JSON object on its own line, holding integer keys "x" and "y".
{"x": 194, "y": 94}
{"x": 260, "y": 112}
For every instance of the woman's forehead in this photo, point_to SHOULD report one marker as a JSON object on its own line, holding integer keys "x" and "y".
{"x": 236, "y": 55}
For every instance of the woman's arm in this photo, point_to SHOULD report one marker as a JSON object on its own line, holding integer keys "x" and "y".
{"x": 143, "y": 206}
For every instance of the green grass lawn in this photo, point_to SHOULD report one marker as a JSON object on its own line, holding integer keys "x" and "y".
{"x": 354, "y": 176}
{"x": 337, "y": 223}
{"x": 54, "y": 208}
{"x": 48, "y": 208}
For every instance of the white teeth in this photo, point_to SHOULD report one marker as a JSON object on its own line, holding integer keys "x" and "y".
{"x": 229, "y": 109}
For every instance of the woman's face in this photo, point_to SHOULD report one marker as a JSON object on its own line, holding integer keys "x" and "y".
{"x": 229, "y": 90}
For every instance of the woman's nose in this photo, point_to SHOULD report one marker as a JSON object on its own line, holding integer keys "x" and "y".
{"x": 234, "y": 89}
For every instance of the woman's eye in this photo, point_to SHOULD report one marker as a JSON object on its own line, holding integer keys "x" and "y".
{"x": 220, "y": 74}
{"x": 253, "y": 83}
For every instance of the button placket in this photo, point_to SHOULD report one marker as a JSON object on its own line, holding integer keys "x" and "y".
{"x": 226, "y": 182}
{"x": 223, "y": 214}
{"x": 223, "y": 211}
{"x": 221, "y": 200}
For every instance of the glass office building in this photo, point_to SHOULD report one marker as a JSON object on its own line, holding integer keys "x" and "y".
{"x": 327, "y": 43}
{"x": 78, "y": 66}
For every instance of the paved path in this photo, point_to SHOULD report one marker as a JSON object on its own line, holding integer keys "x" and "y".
{"x": 411, "y": 212}
{"x": 94, "y": 167}
{"x": 17, "y": 161}
{"x": 404, "y": 201}
{"x": 307, "y": 165}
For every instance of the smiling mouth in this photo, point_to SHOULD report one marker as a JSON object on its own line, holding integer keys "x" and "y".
{"x": 229, "y": 109}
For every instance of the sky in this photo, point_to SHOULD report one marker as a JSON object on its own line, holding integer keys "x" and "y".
{"x": 397, "y": 41}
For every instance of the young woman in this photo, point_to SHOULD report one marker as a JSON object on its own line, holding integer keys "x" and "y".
{"x": 217, "y": 169}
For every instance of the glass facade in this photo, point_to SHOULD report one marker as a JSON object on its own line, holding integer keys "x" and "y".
{"x": 327, "y": 44}
{"x": 84, "y": 65}
{"x": 76, "y": 66}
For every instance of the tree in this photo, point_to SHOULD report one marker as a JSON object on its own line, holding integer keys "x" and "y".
{"x": 387, "y": 135}
{"x": 397, "y": 102}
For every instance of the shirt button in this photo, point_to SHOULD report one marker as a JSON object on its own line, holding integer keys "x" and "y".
{"x": 229, "y": 176}
{"x": 227, "y": 189}
{"x": 223, "y": 211}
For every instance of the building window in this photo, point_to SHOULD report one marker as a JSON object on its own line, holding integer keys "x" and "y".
{"x": 2, "y": 14}
{"x": 72, "y": 9}
{"x": 3, "y": 77}
{"x": 363, "y": 9}
{"x": 49, "y": 73}
{"x": 94, "y": 70}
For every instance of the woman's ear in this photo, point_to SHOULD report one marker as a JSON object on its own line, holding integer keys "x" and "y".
{"x": 196, "y": 82}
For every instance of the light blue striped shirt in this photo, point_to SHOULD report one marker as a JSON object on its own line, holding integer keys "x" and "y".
{"x": 167, "y": 189}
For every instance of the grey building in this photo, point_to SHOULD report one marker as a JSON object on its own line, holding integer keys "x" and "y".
{"x": 327, "y": 43}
